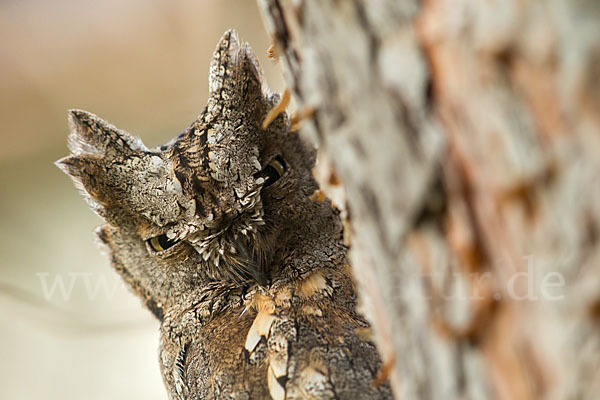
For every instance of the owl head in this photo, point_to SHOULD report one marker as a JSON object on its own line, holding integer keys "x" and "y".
{"x": 224, "y": 201}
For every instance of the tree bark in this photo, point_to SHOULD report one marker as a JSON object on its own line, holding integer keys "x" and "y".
{"x": 467, "y": 137}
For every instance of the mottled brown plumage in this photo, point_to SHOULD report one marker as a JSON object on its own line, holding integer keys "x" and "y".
{"x": 217, "y": 233}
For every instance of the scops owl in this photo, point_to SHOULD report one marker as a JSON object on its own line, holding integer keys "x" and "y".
{"x": 218, "y": 235}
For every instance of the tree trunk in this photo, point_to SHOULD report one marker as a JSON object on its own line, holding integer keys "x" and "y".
{"x": 467, "y": 137}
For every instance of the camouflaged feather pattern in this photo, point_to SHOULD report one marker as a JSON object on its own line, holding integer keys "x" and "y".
{"x": 216, "y": 233}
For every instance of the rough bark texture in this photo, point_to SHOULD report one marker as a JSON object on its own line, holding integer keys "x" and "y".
{"x": 467, "y": 137}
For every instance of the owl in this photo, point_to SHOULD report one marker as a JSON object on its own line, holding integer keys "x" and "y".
{"x": 218, "y": 234}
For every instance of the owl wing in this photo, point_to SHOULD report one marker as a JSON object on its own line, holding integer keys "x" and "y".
{"x": 313, "y": 349}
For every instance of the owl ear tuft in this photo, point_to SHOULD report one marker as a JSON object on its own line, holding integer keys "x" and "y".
{"x": 73, "y": 165}
{"x": 92, "y": 135}
{"x": 87, "y": 175}
{"x": 235, "y": 74}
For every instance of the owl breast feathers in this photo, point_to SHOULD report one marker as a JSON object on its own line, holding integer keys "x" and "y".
{"x": 216, "y": 232}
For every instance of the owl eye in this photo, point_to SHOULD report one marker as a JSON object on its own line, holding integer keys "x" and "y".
{"x": 161, "y": 243}
{"x": 273, "y": 171}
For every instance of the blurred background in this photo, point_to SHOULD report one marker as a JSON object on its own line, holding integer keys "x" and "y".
{"x": 70, "y": 329}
